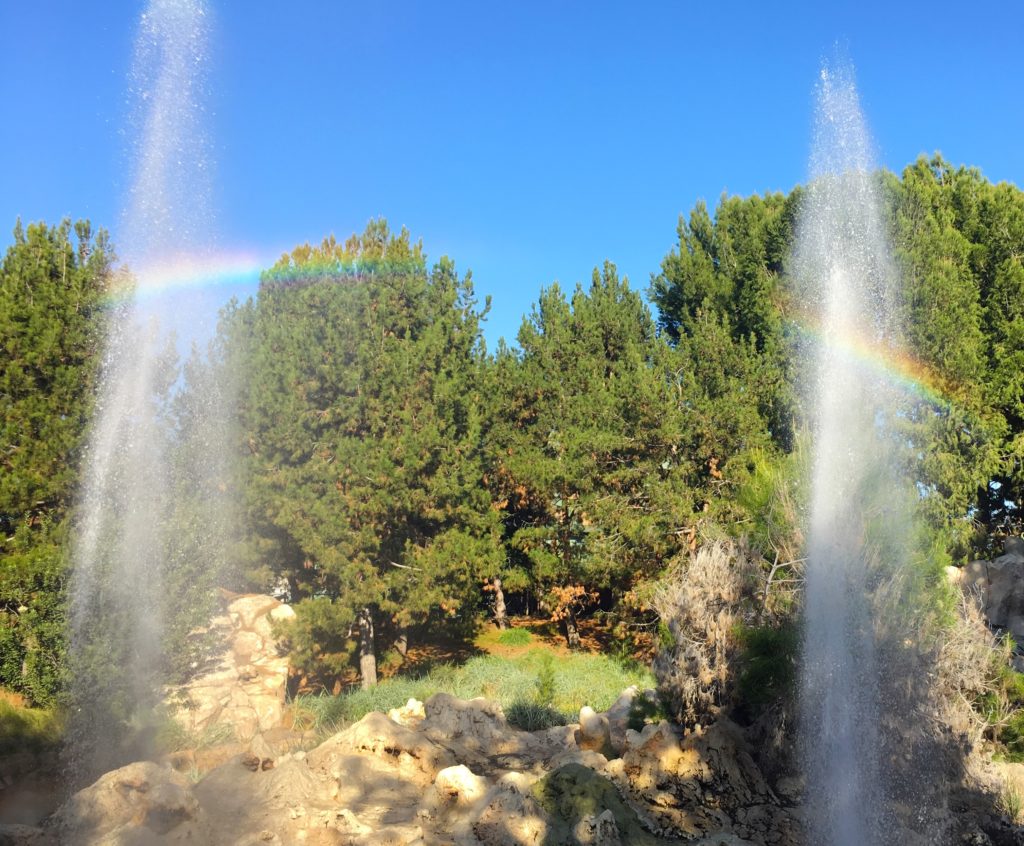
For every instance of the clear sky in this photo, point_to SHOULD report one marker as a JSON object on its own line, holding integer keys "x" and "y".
{"x": 528, "y": 141}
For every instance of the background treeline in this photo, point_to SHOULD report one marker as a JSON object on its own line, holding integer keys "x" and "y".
{"x": 400, "y": 481}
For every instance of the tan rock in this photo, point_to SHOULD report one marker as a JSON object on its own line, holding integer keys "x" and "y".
{"x": 247, "y": 644}
{"x": 598, "y": 830}
{"x": 594, "y": 732}
{"x": 136, "y": 803}
{"x": 411, "y": 714}
{"x": 460, "y": 786}
{"x": 413, "y": 754}
{"x": 511, "y": 816}
{"x": 248, "y": 609}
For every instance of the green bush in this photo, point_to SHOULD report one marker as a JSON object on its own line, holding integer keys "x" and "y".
{"x": 531, "y": 716}
{"x": 767, "y": 664}
{"x": 515, "y": 637}
{"x": 546, "y": 681}
{"x": 643, "y": 710}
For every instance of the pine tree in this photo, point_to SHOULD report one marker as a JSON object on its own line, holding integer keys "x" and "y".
{"x": 585, "y": 446}
{"x": 363, "y": 423}
{"x": 51, "y": 325}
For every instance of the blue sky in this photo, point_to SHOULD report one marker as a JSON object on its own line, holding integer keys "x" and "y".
{"x": 528, "y": 141}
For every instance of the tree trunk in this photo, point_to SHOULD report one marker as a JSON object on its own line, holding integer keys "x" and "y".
{"x": 572, "y": 632}
{"x": 500, "y": 615}
{"x": 402, "y": 642}
{"x": 367, "y": 655}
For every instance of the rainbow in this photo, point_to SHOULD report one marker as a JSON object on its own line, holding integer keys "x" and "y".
{"x": 895, "y": 365}
{"x": 182, "y": 273}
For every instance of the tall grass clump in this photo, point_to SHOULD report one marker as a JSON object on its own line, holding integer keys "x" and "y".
{"x": 515, "y": 637}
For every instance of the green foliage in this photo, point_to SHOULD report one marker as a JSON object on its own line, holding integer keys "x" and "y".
{"x": 533, "y": 716}
{"x": 392, "y": 466}
{"x": 1003, "y": 708}
{"x": 29, "y": 729}
{"x": 645, "y": 709}
{"x": 363, "y": 423}
{"x": 515, "y": 637}
{"x": 1011, "y": 802}
{"x": 172, "y": 736}
{"x": 546, "y": 680}
{"x": 585, "y": 436}
{"x": 52, "y": 284}
{"x": 767, "y": 663}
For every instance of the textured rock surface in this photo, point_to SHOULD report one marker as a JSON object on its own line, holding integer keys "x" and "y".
{"x": 242, "y": 691}
{"x": 457, "y": 776}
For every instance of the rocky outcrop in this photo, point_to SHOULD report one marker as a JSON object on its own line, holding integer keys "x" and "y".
{"x": 704, "y": 783}
{"x": 242, "y": 690}
{"x": 139, "y": 803}
{"x": 999, "y": 585}
{"x": 458, "y": 775}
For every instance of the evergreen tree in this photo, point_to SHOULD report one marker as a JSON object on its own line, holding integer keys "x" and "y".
{"x": 52, "y": 285}
{"x": 585, "y": 445}
{"x": 363, "y": 422}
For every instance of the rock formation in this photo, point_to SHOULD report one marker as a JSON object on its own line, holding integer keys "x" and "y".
{"x": 243, "y": 686}
{"x": 999, "y": 585}
{"x": 454, "y": 774}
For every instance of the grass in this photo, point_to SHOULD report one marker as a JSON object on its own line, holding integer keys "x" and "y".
{"x": 1011, "y": 802}
{"x": 532, "y": 716}
{"x": 515, "y": 637}
{"x": 31, "y": 729}
{"x": 573, "y": 680}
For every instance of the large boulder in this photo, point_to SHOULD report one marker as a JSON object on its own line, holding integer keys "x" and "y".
{"x": 702, "y": 783}
{"x": 139, "y": 803}
{"x": 414, "y": 756}
{"x": 240, "y": 693}
{"x": 999, "y": 585}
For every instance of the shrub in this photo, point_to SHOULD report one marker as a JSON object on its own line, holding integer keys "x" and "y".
{"x": 515, "y": 637}
{"x": 645, "y": 709}
{"x": 546, "y": 681}
{"x": 703, "y": 600}
{"x": 532, "y": 716}
{"x": 767, "y": 663}
{"x": 36, "y": 729}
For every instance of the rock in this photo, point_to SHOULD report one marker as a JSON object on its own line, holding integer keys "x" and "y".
{"x": 587, "y": 806}
{"x": 673, "y": 775}
{"x": 617, "y": 717}
{"x": 1004, "y": 600}
{"x": 594, "y": 732}
{"x": 411, "y": 714}
{"x": 791, "y": 789}
{"x": 600, "y": 830}
{"x": 243, "y": 689}
{"x": 414, "y": 755}
{"x": 25, "y": 835}
{"x": 136, "y": 802}
{"x": 1013, "y": 546}
{"x": 975, "y": 578}
{"x": 246, "y": 610}
{"x": 510, "y": 815}
{"x": 722, "y": 838}
{"x": 475, "y": 723}
{"x": 459, "y": 785}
